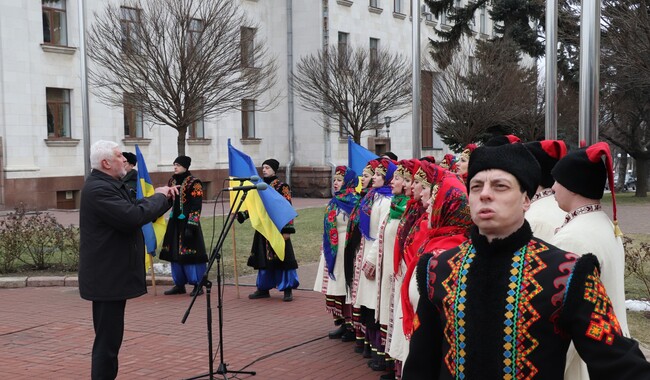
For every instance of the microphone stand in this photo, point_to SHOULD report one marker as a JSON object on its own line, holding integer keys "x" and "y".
{"x": 222, "y": 369}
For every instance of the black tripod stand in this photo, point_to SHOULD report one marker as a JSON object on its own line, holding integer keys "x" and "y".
{"x": 222, "y": 369}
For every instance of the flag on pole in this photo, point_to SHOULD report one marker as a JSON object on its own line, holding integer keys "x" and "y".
{"x": 153, "y": 232}
{"x": 358, "y": 158}
{"x": 268, "y": 210}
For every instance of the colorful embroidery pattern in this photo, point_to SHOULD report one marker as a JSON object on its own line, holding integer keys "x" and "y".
{"x": 519, "y": 313}
{"x": 603, "y": 324}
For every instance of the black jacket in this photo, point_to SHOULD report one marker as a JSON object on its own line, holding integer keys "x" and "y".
{"x": 111, "y": 262}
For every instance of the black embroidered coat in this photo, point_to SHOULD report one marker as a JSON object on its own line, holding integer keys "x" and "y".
{"x": 183, "y": 242}
{"x": 262, "y": 255}
{"x": 509, "y": 309}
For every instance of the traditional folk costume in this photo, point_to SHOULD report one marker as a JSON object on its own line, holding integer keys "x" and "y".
{"x": 508, "y": 308}
{"x": 183, "y": 244}
{"x": 353, "y": 258}
{"x": 273, "y": 272}
{"x": 588, "y": 229}
{"x": 544, "y": 214}
{"x": 447, "y": 228}
{"x": 374, "y": 208}
{"x": 464, "y": 158}
{"x": 331, "y": 282}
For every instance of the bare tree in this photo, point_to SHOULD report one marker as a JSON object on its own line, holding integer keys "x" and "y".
{"x": 494, "y": 95}
{"x": 353, "y": 87}
{"x": 178, "y": 61}
{"x": 625, "y": 106}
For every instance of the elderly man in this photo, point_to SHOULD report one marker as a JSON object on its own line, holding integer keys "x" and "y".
{"x": 111, "y": 253}
{"x": 506, "y": 305}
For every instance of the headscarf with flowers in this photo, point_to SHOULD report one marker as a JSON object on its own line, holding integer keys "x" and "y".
{"x": 344, "y": 200}
{"x": 414, "y": 210}
{"x": 387, "y": 168}
{"x": 449, "y": 162}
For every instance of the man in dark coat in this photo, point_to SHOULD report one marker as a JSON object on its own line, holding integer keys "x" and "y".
{"x": 273, "y": 272}
{"x": 111, "y": 261}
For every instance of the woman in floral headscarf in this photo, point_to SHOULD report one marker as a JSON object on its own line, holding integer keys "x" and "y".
{"x": 374, "y": 207}
{"x": 331, "y": 282}
{"x": 463, "y": 161}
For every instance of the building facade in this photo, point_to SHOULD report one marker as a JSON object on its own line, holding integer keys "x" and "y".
{"x": 41, "y": 120}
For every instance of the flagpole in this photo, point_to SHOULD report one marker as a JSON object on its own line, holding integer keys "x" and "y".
{"x": 153, "y": 277}
{"x": 234, "y": 256}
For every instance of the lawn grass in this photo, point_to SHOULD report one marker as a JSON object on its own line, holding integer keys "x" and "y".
{"x": 625, "y": 198}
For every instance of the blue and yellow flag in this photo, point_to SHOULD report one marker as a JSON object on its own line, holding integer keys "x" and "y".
{"x": 358, "y": 158}
{"x": 268, "y": 210}
{"x": 153, "y": 232}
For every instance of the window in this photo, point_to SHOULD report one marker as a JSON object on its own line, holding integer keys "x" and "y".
{"x": 194, "y": 30}
{"x": 132, "y": 118}
{"x": 428, "y": 15}
{"x": 129, "y": 22}
{"x": 374, "y": 48}
{"x": 374, "y": 3}
{"x": 343, "y": 49}
{"x": 58, "y": 112}
{"x": 397, "y": 6}
{"x": 344, "y": 126}
{"x": 426, "y": 110}
{"x": 196, "y": 130}
{"x": 374, "y": 115}
{"x": 482, "y": 20}
{"x": 248, "y": 118}
{"x": 471, "y": 64}
{"x": 248, "y": 47}
{"x": 55, "y": 30}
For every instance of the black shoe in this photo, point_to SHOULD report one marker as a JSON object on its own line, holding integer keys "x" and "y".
{"x": 388, "y": 376}
{"x": 175, "y": 290}
{"x": 194, "y": 291}
{"x": 348, "y": 336}
{"x": 378, "y": 364}
{"x": 259, "y": 294}
{"x": 288, "y": 297}
{"x": 338, "y": 333}
{"x": 358, "y": 346}
{"x": 367, "y": 351}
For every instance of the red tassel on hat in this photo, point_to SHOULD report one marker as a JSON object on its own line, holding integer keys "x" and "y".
{"x": 513, "y": 139}
{"x": 600, "y": 151}
{"x": 554, "y": 148}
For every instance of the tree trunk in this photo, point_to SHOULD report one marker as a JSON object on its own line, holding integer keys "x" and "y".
{"x": 180, "y": 140}
{"x": 642, "y": 176}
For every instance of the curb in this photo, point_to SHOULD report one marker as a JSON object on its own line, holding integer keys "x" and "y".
{"x": 72, "y": 281}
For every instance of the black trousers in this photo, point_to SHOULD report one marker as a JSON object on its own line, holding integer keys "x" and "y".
{"x": 108, "y": 320}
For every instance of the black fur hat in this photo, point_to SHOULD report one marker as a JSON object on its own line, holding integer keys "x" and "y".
{"x": 130, "y": 158}
{"x": 512, "y": 158}
{"x": 273, "y": 163}
{"x": 183, "y": 161}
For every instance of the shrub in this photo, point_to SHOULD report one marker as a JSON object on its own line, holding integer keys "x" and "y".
{"x": 637, "y": 256}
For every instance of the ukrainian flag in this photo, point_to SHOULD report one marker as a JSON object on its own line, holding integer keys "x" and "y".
{"x": 268, "y": 210}
{"x": 358, "y": 158}
{"x": 153, "y": 232}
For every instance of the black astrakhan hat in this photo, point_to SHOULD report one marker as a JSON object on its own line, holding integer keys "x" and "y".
{"x": 512, "y": 158}
{"x": 183, "y": 161}
{"x": 273, "y": 163}
{"x": 130, "y": 158}
{"x": 547, "y": 153}
{"x": 585, "y": 170}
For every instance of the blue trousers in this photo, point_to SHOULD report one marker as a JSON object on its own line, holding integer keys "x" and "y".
{"x": 281, "y": 279}
{"x": 187, "y": 273}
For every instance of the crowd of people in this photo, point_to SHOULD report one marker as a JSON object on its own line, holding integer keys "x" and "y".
{"x": 498, "y": 263}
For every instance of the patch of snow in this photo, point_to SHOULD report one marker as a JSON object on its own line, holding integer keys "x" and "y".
{"x": 635, "y": 305}
{"x": 162, "y": 268}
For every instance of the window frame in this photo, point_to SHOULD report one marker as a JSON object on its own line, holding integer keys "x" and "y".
{"x": 49, "y": 13}
{"x": 133, "y": 118}
{"x": 59, "y": 109}
{"x": 129, "y": 40}
{"x": 397, "y": 6}
{"x": 248, "y": 118}
{"x": 247, "y": 46}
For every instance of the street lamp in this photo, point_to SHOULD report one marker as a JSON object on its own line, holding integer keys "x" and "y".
{"x": 387, "y": 124}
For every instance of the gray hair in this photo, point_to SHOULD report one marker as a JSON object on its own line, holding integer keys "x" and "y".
{"x": 101, "y": 150}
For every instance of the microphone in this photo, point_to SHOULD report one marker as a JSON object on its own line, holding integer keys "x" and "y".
{"x": 252, "y": 178}
{"x": 259, "y": 186}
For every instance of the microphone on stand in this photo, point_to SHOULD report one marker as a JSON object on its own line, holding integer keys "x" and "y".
{"x": 252, "y": 178}
{"x": 259, "y": 186}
